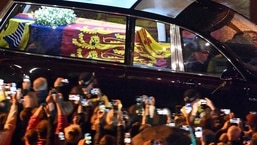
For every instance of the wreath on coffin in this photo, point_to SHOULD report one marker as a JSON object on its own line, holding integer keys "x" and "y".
{"x": 52, "y": 16}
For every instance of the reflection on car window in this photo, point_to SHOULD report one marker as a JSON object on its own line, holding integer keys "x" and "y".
{"x": 240, "y": 36}
{"x": 152, "y": 44}
{"x": 66, "y": 32}
{"x": 200, "y": 57}
{"x": 244, "y": 44}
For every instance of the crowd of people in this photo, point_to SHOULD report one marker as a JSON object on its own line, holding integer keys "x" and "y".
{"x": 37, "y": 115}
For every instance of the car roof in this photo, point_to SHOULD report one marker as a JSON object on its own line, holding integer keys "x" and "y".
{"x": 200, "y": 16}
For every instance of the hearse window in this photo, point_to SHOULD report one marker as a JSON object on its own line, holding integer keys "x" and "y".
{"x": 65, "y": 32}
{"x": 152, "y": 44}
{"x": 200, "y": 56}
{"x": 240, "y": 36}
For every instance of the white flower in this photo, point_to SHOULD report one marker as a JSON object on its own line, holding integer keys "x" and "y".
{"x": 51, "y": 16}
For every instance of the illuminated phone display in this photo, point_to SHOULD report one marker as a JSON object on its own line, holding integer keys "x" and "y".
{"x": 61, "y": 136}
{"x": 225, "y": 111}
{"x": 198, "y": 132}
{"x": 127, "y": 138}
{"x": 234, "y": 120}
{"x": 88, "y": 138}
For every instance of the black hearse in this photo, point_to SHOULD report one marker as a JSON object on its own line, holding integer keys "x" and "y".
{"x": 153, "y": 47}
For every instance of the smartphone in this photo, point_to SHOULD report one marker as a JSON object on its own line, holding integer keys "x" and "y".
{"x": 1, "y": 82}
{"x": 73, "y": 97}
{"x": 203, "y": 102}
{"x": 61, "y": 136}
{"x": 188, "y": 108}
{"x": 198, "y": 132}
{"x": 234, "y": 120}
{"x": 95, "y": 91}
{"x": 21, "y": 100}
{"x": 26, "y": 78}
{"x": 247, "y": 139}
{"x": 185, "y": 127}
{"x": 13, "y": 88}
{"x": 252, "y": 112}
{"x": 102, "y": 108}
{"x": 88, "y": 138}
{"x": 155, "y": 142}
{"x": 162, "y": 111}
{"x": 127, "y": 138}
{"x": 65, "y": 81}
{"x": 225, "y": 111}
{"x": 84, "y": 102}
{"x": 172, "y": 124}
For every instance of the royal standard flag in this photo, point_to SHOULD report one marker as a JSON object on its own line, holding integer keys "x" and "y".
{"x": 15, "y": 35}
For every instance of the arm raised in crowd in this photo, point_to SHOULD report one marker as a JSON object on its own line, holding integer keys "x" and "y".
{"x": 97, "y": 124}
{"x": 34, "y": 119}
{"x": 62, "y": 120}
{"x": 50, "y": 131}
{"x": 10, "y": 124}
{"x": 120, "y": 129}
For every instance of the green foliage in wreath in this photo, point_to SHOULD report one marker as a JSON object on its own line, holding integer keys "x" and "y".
{"x": 51, "y": 16}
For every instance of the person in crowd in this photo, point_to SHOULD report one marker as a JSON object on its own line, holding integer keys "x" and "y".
{"x": 29, "y": 98}
{"x": 109, "y": 123}
{"x": 162, "y": 134}
{"x": 108, "y": 140}
{"x": 38, "y": 123}
{"x": 234, "y": 134}
{"x": 88, "y": 100}
{"x": 31, "y": 137}
{"x": 221, "y": 133}
{"x": 61, "y": 84}
{"x": 251, "y": 120}
{"x": 9, "y": 126}
{"x": 98, "y": 123}
{"x": 135, "y": 111}
{"x": 27, "y": 102}
{"x": 40, "y": 86}
{"x": 88, "y": 95}
{"x": 26, "y": 85}
{"x": 42, "y": 130}
{"x": 198, "y": 61}
{"x": 81, "y": 119}
{"x": 207, "y": 122}
{"x": 208, "y": 137}
{"x": 146, "y": 112}
{"x": 151, "y": 116}
{"x": 5, "y": 95}
{"x": 196, "y": 107}
{"x": 223, "y": 139}
{"x": 30, "y": 101}
{"x": 58, "y": 89}
{"x": 253, "y": 140}
{"x": 72, "y": 133}
{"x": 42, "y": 122}
{"x": 57, "y": 121}
{"x": 87, "y": 82}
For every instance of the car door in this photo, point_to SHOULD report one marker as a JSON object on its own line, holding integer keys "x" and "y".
{"x": 175, "y": 60}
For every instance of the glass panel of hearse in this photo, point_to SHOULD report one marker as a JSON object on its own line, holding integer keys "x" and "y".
{"x": 200, "y": 56}
{"x": 114, "y": 3}
{"x": 170, "y": 8}
{"x": 162, "y": 49}
{"x": 240, "y": 36}
{"x": 74, "y": 33}
{"x": 152, "y": 47}
{"x": 162, "y": 42}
